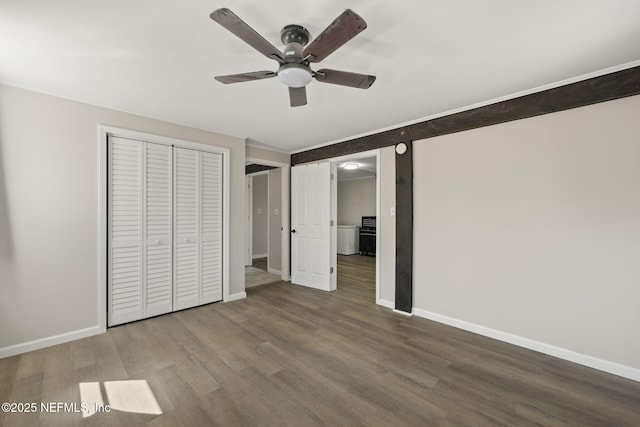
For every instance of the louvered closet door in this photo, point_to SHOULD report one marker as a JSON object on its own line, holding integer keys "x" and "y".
{"x": 140, "y": 225}
{"x": 157, "y": 295}
{"x": 125, "y": 231}
{"x": 186, "y": 265}
{"x": 197, "y": 228}
{"x": 211, "y": 227}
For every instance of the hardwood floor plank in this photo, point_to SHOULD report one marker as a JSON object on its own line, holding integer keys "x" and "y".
{"x": 293, "y": 356}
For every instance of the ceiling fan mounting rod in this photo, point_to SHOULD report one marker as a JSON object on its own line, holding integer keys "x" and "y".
{"x": 295, "y": 37}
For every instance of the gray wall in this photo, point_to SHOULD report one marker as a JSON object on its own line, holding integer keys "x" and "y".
{"x": 260, "y": 215}
{"x": 275, "y": 221}
{"x": 532, "y": 228}
{"x": 256, "y": 154}
{"x": 356, "y": 198}
{"x": 49, "y": 267}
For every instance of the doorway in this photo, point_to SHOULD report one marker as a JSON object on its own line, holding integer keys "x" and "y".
{"x": 262, "y": 263}
{"x": 356, "y": 196}
{"x": 314, "y": 222}
{"x": 267, "y": 202}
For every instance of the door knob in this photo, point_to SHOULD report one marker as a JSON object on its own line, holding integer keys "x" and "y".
{"x": 293, "y": 231}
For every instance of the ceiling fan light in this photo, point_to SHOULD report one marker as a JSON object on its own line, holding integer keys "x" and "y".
{"x": 350, "y": 166}
{"x": 294, "y": 75}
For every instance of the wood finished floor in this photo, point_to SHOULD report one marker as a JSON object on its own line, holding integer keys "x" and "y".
{"x": 291, "y": 356}
{"x": 257, "y": 274}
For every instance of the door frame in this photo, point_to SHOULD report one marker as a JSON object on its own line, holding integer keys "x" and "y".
{"x": 285, "y": 250}
{"x": 104, "y": 131}
{"x": 248, "y": 241}
{"x": 249, "y": 248}
{"x": 334, "y": 213}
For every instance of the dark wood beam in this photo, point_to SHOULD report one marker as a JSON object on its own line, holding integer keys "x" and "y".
{"x": 586, "y": 92}
{"x": 404, "y": 230}
{"x": 604, "y": 88}
{"x": 253, "y": 168}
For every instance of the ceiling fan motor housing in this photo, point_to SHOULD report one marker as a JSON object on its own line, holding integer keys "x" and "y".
{"x": 294, "y": 34}
{"x": 294, "y": 71}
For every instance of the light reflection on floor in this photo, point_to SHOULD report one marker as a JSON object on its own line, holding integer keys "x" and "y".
{"x": 133, "y": 396}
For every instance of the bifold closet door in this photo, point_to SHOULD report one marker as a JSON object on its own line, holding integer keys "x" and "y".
{"x": 197, "y": 228}
{"x": 140, "y": 230}
{"x": 158, "y": 197}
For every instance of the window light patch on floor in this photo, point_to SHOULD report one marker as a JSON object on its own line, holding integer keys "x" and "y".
{"x": 127, "y": 396}
{"x": 91, "y": 398}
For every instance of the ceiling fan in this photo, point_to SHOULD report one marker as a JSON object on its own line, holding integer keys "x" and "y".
{"x": 294, "y": 70}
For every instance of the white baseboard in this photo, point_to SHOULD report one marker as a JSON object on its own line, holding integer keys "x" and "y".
{"x": 48, "y": 341}
{"x": 404, "y": 313}
{"x": 235, "y": 297}
{"x": 562, "y": 353}
{"x": 387, "y": 304}
{"x": 258, "y": 256}
{"x": 274, "y": 271}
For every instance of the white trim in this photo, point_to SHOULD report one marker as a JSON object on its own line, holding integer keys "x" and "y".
{"x": 236, "y": 297}
{"x": 226, "y": 207}
{"x": 285, "y": 218}
{"x": 273, "y": 271}
{"x": 284, "y": 212}
{"x": 159, "y": 139}
{"x": 562, "y": 353}
{"x": 257, "y": 173}
{"x": 25, "y": 347}
{"x": 248, "y": 241}
{"x": 333, "y": 231}
{"x": 268, "y": 209}
{"x": 378, "y": 211}
{"x": 103, "y": 183}
{"x": 255, "y": 256}
{"x": 537, "y": 89}
{"x": 386, "y": 303}
{"x": 404, "y": 313}
{"x": 103, "y": 132}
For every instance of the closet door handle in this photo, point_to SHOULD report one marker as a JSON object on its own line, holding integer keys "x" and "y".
{"x": 293, "y": 231}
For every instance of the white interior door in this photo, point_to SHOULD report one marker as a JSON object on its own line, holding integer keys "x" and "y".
{"x": 310, "y": 226}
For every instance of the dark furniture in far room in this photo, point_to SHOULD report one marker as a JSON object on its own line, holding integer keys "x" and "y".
{"x": 368, "y": 236}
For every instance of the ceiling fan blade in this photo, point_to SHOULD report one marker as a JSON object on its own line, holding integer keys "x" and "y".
{"x": 245, "y": 77}
{"x": 341, "y": 30}
{"x": 237, "y": 26}
{"x": 360, "y": 81}
{"x": 298, "y": 96}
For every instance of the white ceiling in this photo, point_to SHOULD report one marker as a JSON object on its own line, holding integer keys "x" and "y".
{"x": 366, "y": 169}
{"x": 157, "y": 58}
